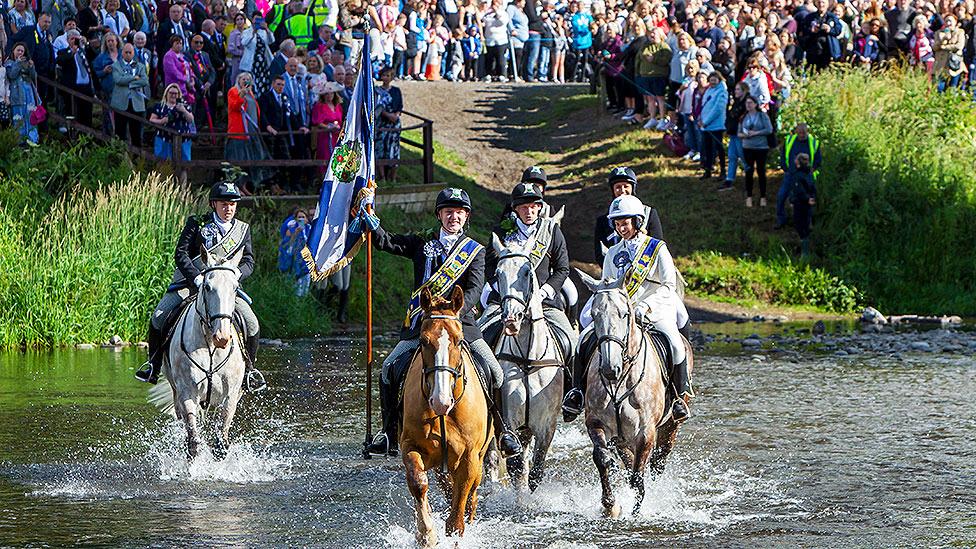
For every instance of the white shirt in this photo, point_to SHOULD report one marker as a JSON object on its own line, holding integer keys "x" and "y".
{"x": 224, "y": 226}
{"x": 448, "y": 240}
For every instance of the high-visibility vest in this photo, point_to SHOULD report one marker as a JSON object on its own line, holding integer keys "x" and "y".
{"x": 811, "y": 142}
{"x": 320, "y": 11}
{"x": 276, "y": 17}
{"x": 299, "y": 27}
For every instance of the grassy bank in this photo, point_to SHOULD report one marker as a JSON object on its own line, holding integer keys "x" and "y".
{"x": 897, "y": 205}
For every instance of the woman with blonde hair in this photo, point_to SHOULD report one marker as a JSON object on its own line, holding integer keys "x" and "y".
{"x": 173, "y": 114}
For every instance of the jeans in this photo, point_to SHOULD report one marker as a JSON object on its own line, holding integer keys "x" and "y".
{"x": 951, "y": 82}
{"x": 544, "y": 59}
{"x": 533, "y": 49}
{"x": 690, "y": 135}
{"x": 735, "y": 156}
{"x": 21, "y": 120}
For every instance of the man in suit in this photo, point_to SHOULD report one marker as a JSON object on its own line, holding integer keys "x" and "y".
{"x": 172, "y": 26}
{"x": 204, "y": 76}
{"x": 198, "y": 14}
{"x": 275, "y": 118}
{"x": 297, "y": 93}
{"x": 131, "y": 82}
{"x": 76, "y": 74}
{"x": 213, "y": 45}
{"x": 40, "y": 46}
{"x": 285, "y": 52}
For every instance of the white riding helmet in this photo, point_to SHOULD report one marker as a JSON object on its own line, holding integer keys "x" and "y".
{"x": 627, "y": 205}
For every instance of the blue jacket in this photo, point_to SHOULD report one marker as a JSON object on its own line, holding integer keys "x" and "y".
{"x": 715, "y": 103}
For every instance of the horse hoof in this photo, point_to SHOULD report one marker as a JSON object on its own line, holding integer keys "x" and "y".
{"x": 613, "y": 512}
{"x": 428, "y": 540}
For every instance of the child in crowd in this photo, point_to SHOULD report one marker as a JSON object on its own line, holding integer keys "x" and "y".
{"x": 386, "y": 37}
{"x": 399, "y": 45}
{"x": 559, "y": 49}
{"x": 686, "y": 96}
{"x": 471, "y": 49}
{"x": 439, "y": 37}
{"x": 455, "y": 61}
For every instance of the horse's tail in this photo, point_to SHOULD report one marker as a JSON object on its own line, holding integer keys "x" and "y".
{"x": 161, "y": 396}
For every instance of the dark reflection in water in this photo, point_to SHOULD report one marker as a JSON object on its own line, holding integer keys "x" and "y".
{"x": 816, "y": 452}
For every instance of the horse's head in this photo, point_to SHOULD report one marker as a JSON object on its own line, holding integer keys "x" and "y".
{"x": 217, "y": 297}
{"x": 613, "y": 323}
{"x": 440, "y": 346}
{"x": 516, "y": 282}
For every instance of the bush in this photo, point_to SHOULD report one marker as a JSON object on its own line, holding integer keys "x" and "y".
{"x": 779, "y": 281}
{"x": 897, "y": 187}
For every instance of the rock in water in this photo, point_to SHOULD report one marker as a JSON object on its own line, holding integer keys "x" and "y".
{"x": 921, "y": 346}
{"x": 870, "y": 315}
{"x": 819, "y": 328}
{"x": 115, "y": 341}
{"x": 751, "y": 342}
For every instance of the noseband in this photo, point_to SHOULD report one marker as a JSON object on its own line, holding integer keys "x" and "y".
{"x": 206, "y": 308}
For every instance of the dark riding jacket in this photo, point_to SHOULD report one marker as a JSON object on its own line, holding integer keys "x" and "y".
{"x": 192, "y": 238}
{"x": 552, "y": 270}
{"x": 411, "y": 246}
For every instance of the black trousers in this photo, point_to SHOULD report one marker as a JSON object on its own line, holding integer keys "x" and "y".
{"x": 802, "y": 218}
{"x": 131, "y": 127}
{"x": 495, "y": 63}
{"x": 712, "y": 147}
{"x": 755, "y": 161}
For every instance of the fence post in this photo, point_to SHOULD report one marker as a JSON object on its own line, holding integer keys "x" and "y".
{"x": 428, "y": 152}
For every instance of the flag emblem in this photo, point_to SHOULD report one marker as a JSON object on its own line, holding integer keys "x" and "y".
{"x": 346, "y": 160}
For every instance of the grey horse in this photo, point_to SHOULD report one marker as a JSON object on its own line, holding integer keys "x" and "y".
{"x": 205, "y": 359}
{"x": 625, "y": 394}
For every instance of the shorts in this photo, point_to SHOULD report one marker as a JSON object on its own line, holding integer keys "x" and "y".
{"x": 653, "y": 85}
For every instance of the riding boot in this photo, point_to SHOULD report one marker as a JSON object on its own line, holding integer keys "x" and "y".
{"x": 508, "y": 442}
{"x": 572, "y": 311}
{"x": 573, "y": 401}
{"x": 686, "y": 331}
{"x": 387, "y": 442}
{"x": 253, "y": 379}
{"x": 682, "y": 388}
{"x": 343, "y": 315}
{"x": 149, "y": 372}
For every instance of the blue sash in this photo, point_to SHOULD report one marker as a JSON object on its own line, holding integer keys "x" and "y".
{"x": 445, "y": 277}
{"x": 637, "y": 272}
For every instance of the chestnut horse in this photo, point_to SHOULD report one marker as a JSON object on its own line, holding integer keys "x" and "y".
{"x": 444, "y": 401}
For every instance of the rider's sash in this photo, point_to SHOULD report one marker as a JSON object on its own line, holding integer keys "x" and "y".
{"x": 543, "y": 237}
{"x": 641, "y": 267}
{"x": 222, "y": 250}
{"x": 445, "y": 277}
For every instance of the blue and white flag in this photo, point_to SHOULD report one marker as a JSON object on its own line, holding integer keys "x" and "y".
{"x": 337, "y": 232}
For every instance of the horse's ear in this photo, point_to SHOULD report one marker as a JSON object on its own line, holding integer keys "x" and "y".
{"x": 425, "y": 299}
{"x": 590, "y": 282}
{"x": 559, "y": 215}
{"x": 457, "y": 299}
{"x": 204, "y": 256}
{"x": 496, "y": 244}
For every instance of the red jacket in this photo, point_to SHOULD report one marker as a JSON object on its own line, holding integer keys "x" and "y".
{"x": 235, "y": 114}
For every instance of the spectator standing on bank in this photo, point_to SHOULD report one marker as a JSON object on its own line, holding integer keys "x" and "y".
{"x": 76, "y": 75}
{"x": 581, "y": 40}
{"x": 103, "y": 66}
{"x": 797, "y": 143}
{"x": 327, "y": 118}
{"x": 245, "y": 142}
{"x": 389, "y": 106}
{"x": 803, "y": 195}
{"x": 174, "y": 114}
{"x": 21, "y": 83}
{"x": 496, "y": 22}
{"x": 234, "y": 47}
{"x": 949, "y": 44}
{"x": 256, "y": 42}
{"x": 754, "y": 128}
{"x": 130, "y": 87}
{"x": 735, "y": 155}
{"x": 712, "y": 124}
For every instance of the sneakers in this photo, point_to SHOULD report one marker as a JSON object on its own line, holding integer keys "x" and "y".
{"x": 688, "y": 156}
{"x": 696, "y": 158}
{"x": 726, "y": 186}
{"x": 748, "y": 202}
{"x": 628, "y": 115}
{"x": 663, "y": 124}
{"x": 762, "y": 202}
{"x": 650, "y": 124}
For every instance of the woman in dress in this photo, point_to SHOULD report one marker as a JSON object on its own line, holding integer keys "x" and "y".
{"x": 256, "y": 57}
{"x": 389, "y": 106}
{"x": 327, "y": 118}
{"x": 172, "y": 113}
{"x": 244, "y": 142}
{"x": 234, "y": 46}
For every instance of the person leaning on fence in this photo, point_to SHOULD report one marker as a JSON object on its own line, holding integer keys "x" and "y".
{"x": 244, "y": 142}
{"x": 131, "y": 87}
{"x": 389, "y": 107}
{"x": 276, "y": 120}
{"x": 40, "y": 49}
{"x": 174, "y": 114}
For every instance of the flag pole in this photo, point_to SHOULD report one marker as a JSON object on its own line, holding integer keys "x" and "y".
{"x": 369, "y": 276}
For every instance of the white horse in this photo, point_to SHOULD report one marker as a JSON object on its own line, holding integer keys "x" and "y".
{"x": 625, "y": 393}
{"x": 531, "y": 359}
{"x": 205, "y": 360}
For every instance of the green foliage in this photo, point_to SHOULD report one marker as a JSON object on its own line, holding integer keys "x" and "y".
{"x": 897, "y": 188}
{"x": 780, "y": 281}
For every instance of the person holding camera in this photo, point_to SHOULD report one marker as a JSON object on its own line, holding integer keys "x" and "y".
{"x": 21, "y": 78}
{"x": 172, "y": 113}
{"x": 76, "y": 74}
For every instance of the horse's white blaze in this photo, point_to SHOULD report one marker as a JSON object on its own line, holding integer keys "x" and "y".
{"x": 442, "y": 395}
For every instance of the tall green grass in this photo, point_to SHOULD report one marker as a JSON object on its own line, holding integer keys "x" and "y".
{"x": 896, "y": 195}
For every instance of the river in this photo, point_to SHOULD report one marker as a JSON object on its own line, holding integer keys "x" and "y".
{"x": 815, "y": 450}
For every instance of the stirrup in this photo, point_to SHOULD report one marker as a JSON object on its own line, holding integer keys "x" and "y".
{"x": 570, "y": 409}
{"x": 379, "y": 441}
{"x": 145, "y": 373}
{"x": 254, "y": 382}
{"x": 674, "y": 408}
{"x": 518, "y": 444}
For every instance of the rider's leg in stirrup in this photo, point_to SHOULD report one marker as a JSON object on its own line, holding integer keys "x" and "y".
{"x": 149, "y": 372}
{"x": 574, "y": 400}
{"x": 253, "y": 379}
{"x": 387, "y": 441}
{"x": 681, "y": 381}
{"x": 508, "y": 442}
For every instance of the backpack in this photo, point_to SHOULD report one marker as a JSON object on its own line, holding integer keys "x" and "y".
{"x": 676, "y": 143}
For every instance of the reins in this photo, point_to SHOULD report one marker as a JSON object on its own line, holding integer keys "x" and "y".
{"x": 456, "y": 373}
{"x": 628, "y": 362}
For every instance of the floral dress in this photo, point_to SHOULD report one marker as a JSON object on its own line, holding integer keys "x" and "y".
{"x": 388, "y": 142}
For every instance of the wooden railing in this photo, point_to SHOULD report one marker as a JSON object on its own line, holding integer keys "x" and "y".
{"x": 207, "y": 154}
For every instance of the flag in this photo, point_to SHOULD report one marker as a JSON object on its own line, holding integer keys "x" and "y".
{"x": 336, "y": 234}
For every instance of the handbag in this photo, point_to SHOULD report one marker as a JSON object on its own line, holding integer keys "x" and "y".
{"x": 5, "y": 115}
{"x": 676, "y": 143}
{"x": 39, "y": 114}
{"x": 955, "y": 62}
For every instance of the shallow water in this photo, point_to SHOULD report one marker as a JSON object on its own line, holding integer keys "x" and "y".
{"x": 818, "y": 451}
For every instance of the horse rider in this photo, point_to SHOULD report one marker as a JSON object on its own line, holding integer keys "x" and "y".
{"x": 651, "y": 280}
{"x": 223, "y": 236}
{"x": 550, "y": 256}
{"x": 537, "y": 176}
{"x": 622, "y": 180}
{"x": 441, "y": 261}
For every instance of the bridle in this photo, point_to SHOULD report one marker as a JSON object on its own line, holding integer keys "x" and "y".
{"x": 628, "y": 361}
{"x": 206, "y": 321}
{"x": 206, "y": 318}
{"x": 456, "y": 373}
{"x": 523, "y": 302}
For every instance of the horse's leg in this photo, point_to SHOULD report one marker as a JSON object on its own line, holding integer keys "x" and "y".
{"x": 645, "y": 448}
{"x": 464, "y": 479}
{"x": 516, "y": 464}
{"x": 417, "y": 482}
{"x": 192, "y": 431}
{"x": 665, "y": 443}
{"x": 473, "y": 502}
{"x": 542, "y": 442}
{"x": 227, "y": 411}
{"x": 603, "y": 460}
{"x": 492, "y": 460}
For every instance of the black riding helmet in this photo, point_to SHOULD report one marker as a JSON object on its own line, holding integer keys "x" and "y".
{"x": 526, "y": 193}
{"x": 452, "y": 197}
{"x": 226, "y": 191}
{"x": 535, "y": 174}
{"x": 622, "y": 173}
